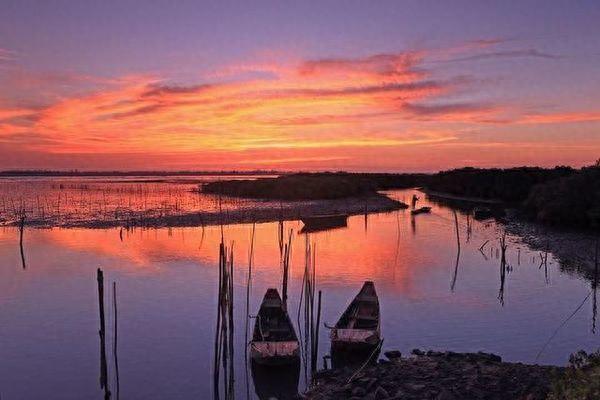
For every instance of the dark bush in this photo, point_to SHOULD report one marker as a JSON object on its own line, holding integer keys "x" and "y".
{"x": 306, "y": 186}
{"x": 511, "y": 185}
{"x": 570, "y": 201}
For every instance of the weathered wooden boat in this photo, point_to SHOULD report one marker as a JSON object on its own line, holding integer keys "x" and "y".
{"x": 356, "y": 337}
{"x": 274, "y": 341}
{"x": 323, "y": 222}
{"x": 421, "y": 210}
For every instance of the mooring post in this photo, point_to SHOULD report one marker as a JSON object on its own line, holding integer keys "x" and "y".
{"x": 102, "y": 333}
{"x": 315, "y": 354}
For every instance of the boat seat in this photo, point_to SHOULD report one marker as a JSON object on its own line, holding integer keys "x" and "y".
{"x": 367, "y": 317}
{"x": 368, "y": 299}
{"x": 272, "y": 303}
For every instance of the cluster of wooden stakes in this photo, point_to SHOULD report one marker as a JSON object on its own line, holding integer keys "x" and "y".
{"x": 275, "y": 351}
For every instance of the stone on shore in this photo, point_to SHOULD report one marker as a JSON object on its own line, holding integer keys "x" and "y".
{"x": 436, "y": 376}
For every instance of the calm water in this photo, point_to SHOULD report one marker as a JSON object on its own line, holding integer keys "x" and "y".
{"x": 167, "y": 286}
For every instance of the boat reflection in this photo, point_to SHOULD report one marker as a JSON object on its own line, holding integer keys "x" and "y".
{"x": 276, "y": 382}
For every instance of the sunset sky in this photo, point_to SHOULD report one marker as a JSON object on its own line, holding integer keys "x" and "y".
{"x": 298, "y": 85}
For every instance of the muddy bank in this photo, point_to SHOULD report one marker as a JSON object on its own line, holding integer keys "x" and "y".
{"x": 575, "y": 250}
{"x": 437, "y": 376}
{"x": 269, "y": 213}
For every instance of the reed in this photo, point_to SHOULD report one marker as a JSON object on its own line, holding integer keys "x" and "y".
{"x": 504, "y": 268}
{"x": 248, "y": 292}
{"x": 306, "y": 307}
{"x": 224, "y": 335}
{"x": 455, "y": 274}
{"x": 285, "y": 266}
{"x": 21, "y": 230}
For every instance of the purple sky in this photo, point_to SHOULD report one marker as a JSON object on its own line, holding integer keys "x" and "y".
{"x": 536, "y": 58}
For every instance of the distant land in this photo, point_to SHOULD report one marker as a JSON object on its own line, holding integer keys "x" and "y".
{"x": 58, "y": 173}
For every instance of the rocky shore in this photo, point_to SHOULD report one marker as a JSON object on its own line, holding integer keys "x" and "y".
{"x": 436, "y": 376}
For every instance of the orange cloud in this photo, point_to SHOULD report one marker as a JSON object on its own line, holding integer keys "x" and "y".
{"x": 560, "y": 118}
{"x": 330, "y": 111}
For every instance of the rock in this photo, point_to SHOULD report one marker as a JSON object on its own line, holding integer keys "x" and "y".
{"x": 381, "y": 393}
{"x": 445, "y": 395}
{"x": 417, "y": 352}
{"x": 415, "y": 387}
{"x": 393, "y": 354}
{"x": 371, "y": 384}
{"x": 489, "y": 357}
{"x": 437, "y": 376}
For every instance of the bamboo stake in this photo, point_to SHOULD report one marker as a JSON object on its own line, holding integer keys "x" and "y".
{"x": 102, "y": 333}
{"x": 115, "y": 336}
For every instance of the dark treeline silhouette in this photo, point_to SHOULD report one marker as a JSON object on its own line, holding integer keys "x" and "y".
{"x": 573, "y": 200}
{"x": 312, "y": 186}
{"x": 561, "y": 196}
{"x": 511, "y": 185}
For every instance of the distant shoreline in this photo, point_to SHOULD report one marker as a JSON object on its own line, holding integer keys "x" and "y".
{"x": 76, "y": 173}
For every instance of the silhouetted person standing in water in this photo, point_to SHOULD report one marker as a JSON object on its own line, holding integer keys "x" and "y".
{"x": 414, "y": 201}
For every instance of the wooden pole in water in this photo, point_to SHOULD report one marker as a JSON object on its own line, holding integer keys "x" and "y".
{"x": 21, "y": 229}
{"x": 315, "y": 354}
{"x": 102, "y": 333}
{"x": 115, "y": 336}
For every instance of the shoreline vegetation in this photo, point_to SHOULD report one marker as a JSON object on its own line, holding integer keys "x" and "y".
{"x": 368, "y": 204}
{"x": 561, "y": 197}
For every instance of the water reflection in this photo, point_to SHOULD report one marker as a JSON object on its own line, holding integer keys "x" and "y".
{"x": 276, "y": 382}
{"x": 168, "y": 291}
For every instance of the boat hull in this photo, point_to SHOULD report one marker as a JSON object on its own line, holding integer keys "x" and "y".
{"x": 345, "y": 354}
{"x": 422, "y": 210}
{"x": 275, "y": 353}
{"x": 356, "y": 337}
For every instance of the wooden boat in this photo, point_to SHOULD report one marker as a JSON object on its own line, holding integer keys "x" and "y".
{"x": 274, "y": 341}
{"x": 421, "y": 210}
{"x": 317, "y": 223}
{"x": 357, "y": 335}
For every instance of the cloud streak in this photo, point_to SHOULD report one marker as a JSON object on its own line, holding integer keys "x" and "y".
{"x": 315, "y": 111}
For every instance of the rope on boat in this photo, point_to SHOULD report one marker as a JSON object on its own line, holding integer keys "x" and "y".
{"x": 367, "y": 361}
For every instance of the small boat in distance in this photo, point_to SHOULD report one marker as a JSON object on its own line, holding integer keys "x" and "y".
{"x": 316, "y": 223}
{"x": 274, "y": 341}
{"x": 421, "y": 210}
{"x": 357, "y": 335}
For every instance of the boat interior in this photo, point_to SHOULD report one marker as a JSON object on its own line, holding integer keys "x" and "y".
{"x": 272, "y": 322}
{"x": 363, "y": 313}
